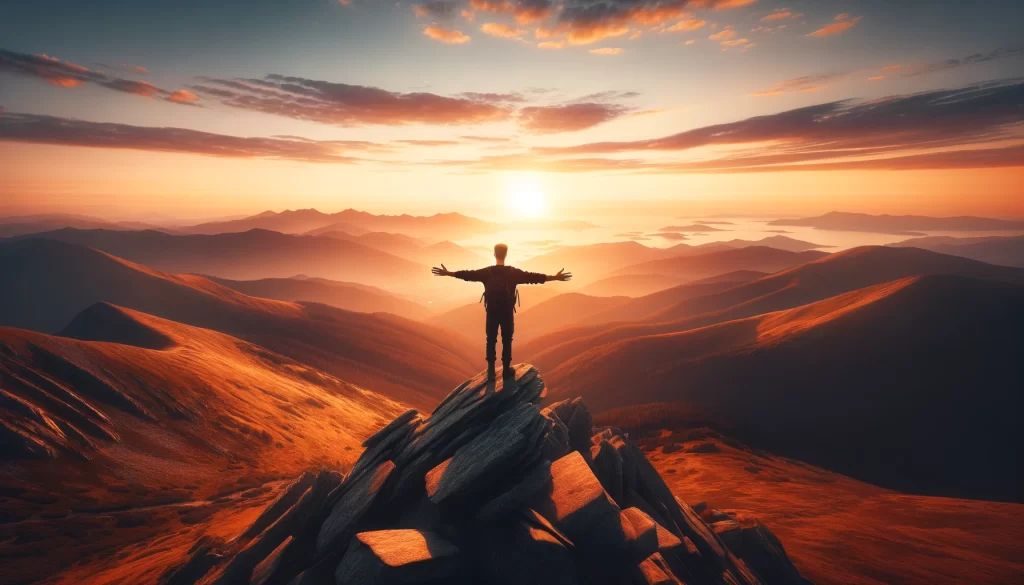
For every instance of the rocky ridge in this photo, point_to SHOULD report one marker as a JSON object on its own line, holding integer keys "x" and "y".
{"x": 490, "y": 488}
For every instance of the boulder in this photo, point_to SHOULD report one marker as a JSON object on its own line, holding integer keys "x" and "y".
{"x": 351, "y": 507}
{"x": 398, "y": 557}
{"x": 655, "y": 571}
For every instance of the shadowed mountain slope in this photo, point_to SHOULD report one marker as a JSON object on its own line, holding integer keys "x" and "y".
{"x": 640, "y": 308}
{"x": 549, "y": 315}
{"x": 388, "y": 354}
{"x": 831, "y": 275}
{"x": 305, "y": 220}
{"x": 350, "y": 296}
{"x": 887, "y": 384}
{"x": 695, "y": 267}
{"x": 164, "y": 404}
{"x": 251, "y": 255}
{"x": 899, "y": 224}
{"x": 1004, "y": 251}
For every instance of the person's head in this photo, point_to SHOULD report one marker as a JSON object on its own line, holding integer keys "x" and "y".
{"x": 500, "y": 252}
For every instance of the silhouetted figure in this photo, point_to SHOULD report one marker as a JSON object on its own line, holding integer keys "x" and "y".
{"x": 500, "y": 298}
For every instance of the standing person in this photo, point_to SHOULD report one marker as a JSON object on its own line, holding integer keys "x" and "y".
{"x": 500, "y": 296}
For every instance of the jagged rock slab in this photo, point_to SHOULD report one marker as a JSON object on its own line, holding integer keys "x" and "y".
{"x": 398, "y": 557}
{"x": 489, "y": 489}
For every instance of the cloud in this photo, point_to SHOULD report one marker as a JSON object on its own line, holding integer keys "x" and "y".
{"x": 445, "y": 35}
{"x": 69, "y": 75}
{"x": 722, "y": 35}
{"x": 352, "y": 105}
{"x": 428, "y": 142}
{"x": 781, "y": 14}
{"x": 840, "y": 23}
{"x": 487, "y": 139}
{"x": 800, "y": 84}
{"x": 904, "y": 125}
{"x": 38, "y": 129}
{"x": 567, "y": 118}
{"x": 993, "y": 55}
{"x": 436, "y": 9}
{"x": 689, "y": 24}
{"x": 505, "y": 31}
{"x": 551, "y": 45}
{"x": 583, "y": 22}
{"x": 876, "y": 78}
{"x": 523, "y": 11}
{"x": 606, "y": 51}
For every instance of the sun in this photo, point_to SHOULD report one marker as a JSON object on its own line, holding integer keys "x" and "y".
{"x": 527, "y": 199}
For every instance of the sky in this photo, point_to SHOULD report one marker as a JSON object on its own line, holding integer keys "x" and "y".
{"x": 198, "y": 109}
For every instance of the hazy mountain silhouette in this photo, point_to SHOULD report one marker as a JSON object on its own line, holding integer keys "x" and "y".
{"x": 397, "y": 357}
{"x": 350, "y": 296}
{"x": 695, "y": 267}
{"x": 30, "y": 224}
{"x": 831, "y": 275}
{"x": 909, "y": 225}
{"x": 415, "y": 249}
{"x": 533, "y": 319}
{"x": 251, "y": 255}
{"x": 887, "y": 384}
{"x": 1005, "y": 251}
{"x": 452, "y": 225}
{"x": 649, "y": 284}
{"x": 638, "y": 309}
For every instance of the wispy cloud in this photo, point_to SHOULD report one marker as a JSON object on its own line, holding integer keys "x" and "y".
{"x": 993, "y": 55}
{"x": 607, "y": 51}
{"x": 351, "y": 105}
{"x": 781, "y": 14}
{"x": 68, "y": 75}
{"x": 32, "y": 128}
{"x": 445, "y": 35}
{"x": 568, "y": 117}
{"x": 977, "y": 125}
{"x": 800, "y": 84}
{"x": 840, "y": 23}
{"x": 505, "y": 31}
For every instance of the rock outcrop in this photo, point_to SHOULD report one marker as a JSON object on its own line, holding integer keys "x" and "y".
{"x": 491, "y": 489}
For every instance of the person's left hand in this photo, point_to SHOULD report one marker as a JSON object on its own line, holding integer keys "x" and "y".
{"x": 562, "y": 275}
{"x": 442, "y": 271}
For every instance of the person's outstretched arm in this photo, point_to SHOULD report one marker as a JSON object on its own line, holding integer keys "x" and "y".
{"x": 470, "y": 275}
{"x": 538, "y": 278}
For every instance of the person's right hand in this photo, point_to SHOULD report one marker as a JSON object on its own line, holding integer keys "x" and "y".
{"x": 562, "y": 275}
{"x": 442, "y": 271}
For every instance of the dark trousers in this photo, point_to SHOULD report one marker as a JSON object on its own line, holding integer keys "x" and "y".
{"x": 504, "y": 319}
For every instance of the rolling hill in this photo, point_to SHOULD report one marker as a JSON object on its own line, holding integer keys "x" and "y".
{"x": 1004, "y": 251}
{"x": 640, "y": 308}
{"x": 154, "y": 427}
{"x": 350, "y": 296}
{"x": 694, "y": 267}
{"x": 251, "y": 255}
{"x": 831, "y": 275}
{"x": 888, "y": 384}
{"x": 910, "y": 225}
{"x": 452, "y": 225}
{"x": 413, "y": 362}
{"x": 549, "y": 315}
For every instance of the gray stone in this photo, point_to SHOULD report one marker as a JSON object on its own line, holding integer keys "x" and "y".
{"x": 351, "y": 507}
{"x": 518, "y": 495}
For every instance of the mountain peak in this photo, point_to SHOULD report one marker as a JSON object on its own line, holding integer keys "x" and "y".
{"x": 489, "y": 488}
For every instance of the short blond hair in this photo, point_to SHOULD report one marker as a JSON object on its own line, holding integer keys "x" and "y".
{"x": 500, "y": 251}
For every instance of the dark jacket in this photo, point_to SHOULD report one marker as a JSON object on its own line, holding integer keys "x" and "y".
{"x": 500, "y": 284}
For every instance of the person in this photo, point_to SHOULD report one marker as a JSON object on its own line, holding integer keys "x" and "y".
{"x": 500, "y": 297}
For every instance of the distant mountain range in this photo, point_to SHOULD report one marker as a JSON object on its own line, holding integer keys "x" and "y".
{"x": 251, "y": 255}
{"x": 30, "y": 224}
{"x": 903, "y": 225}
{"x": 53, "y": 281}
{"x": 829, "y": 276}
{"x": 888, "y": 383}
{"x": 437, "y": 227}
{"x": 1002, "y": 250}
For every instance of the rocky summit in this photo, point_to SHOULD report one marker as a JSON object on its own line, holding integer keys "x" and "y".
{"x": 491, "y": 489}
